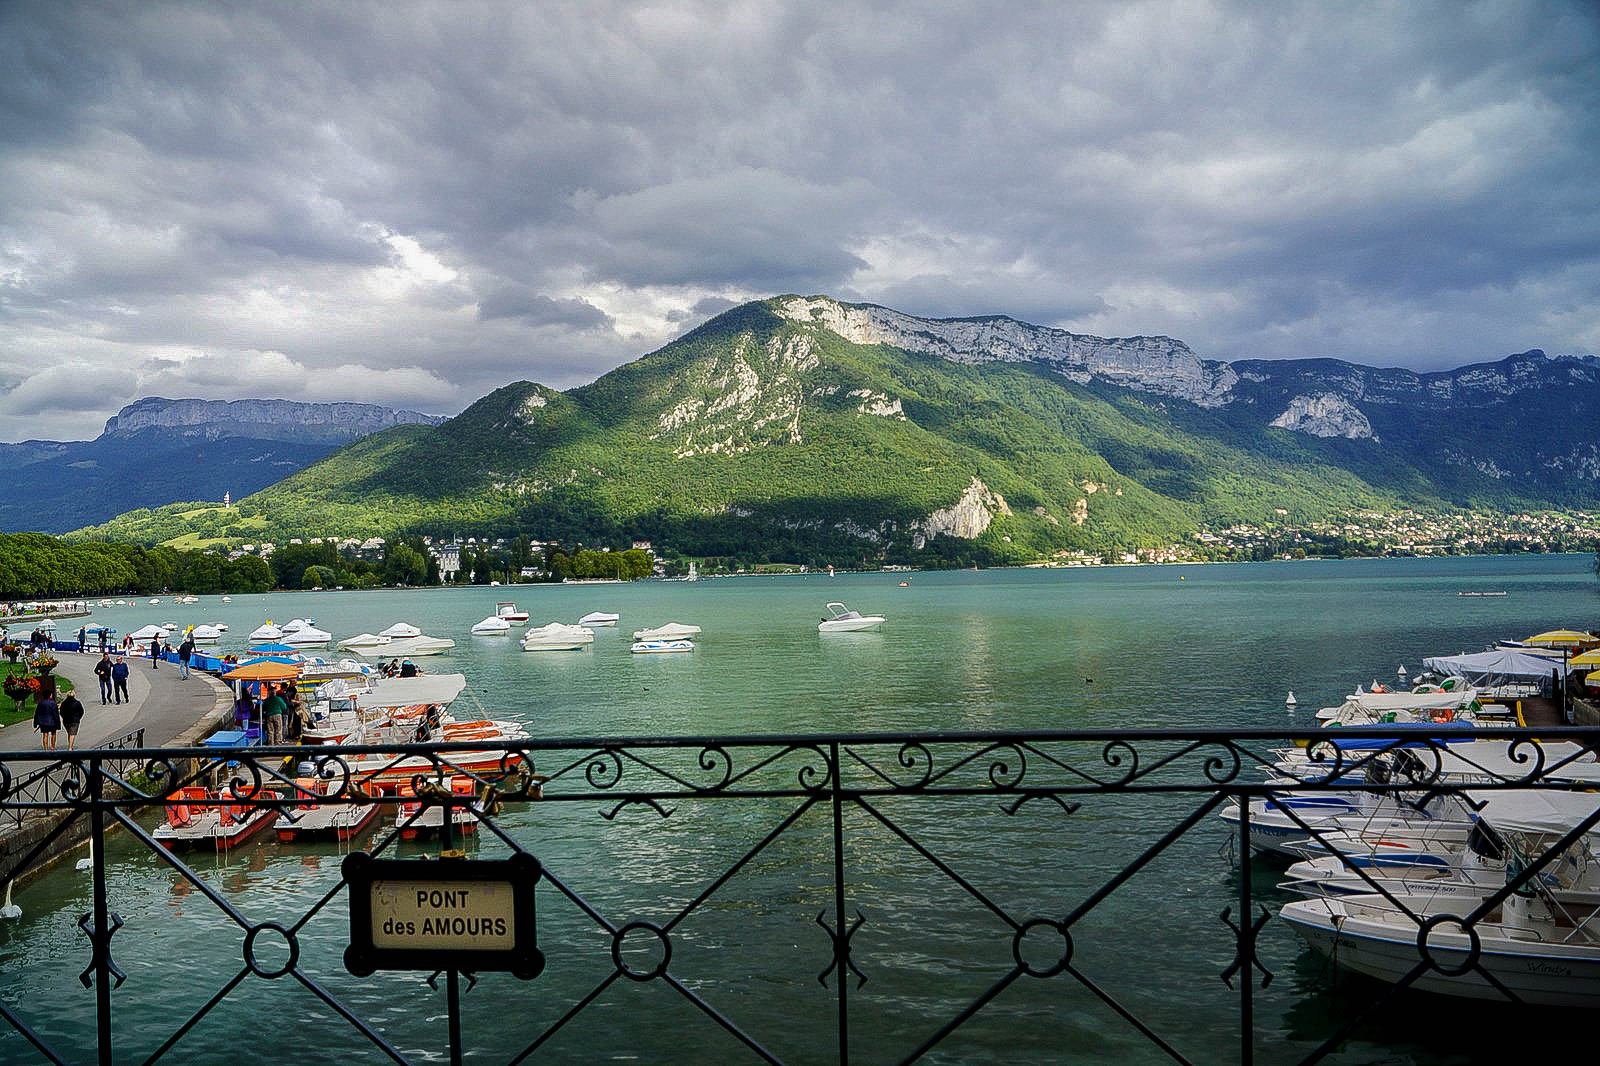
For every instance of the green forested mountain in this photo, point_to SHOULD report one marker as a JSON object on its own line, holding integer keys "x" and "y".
{"x": 819, "y": 430}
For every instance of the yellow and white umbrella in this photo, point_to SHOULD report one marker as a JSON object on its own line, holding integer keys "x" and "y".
{"x": 1563, "y": 638}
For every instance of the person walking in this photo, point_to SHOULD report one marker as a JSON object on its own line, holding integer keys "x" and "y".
{"x": 119, "y": 680}
{"x": 272, "y": 712}
{"x": 155, "y": 653}
{"x": 185, "y": 650}
{"x": 83, "y": 637}
{"x": 47, "y": 719}
{"x": 102, "y": 670}
{"x": 71, "y": 715}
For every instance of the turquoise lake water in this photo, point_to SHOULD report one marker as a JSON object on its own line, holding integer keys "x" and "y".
{"x": 1129, "y": 647}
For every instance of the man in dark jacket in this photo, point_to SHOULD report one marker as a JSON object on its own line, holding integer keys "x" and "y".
{"x": 119, "y": 680}
{"x": 102, "y": 670}
{"x": 185, "y": 650}
{"x": 155, "y": 652}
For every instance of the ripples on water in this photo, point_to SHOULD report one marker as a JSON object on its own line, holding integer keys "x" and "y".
{"x": 1128, "y": 647}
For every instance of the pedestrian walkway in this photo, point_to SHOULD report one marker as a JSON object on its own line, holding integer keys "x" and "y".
{"x": 170, "y": 710}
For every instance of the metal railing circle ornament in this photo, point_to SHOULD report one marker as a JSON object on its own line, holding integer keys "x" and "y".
{"x": 1028, "y": 935}
{"x": 1427, "y": 949}
{"x": 291, "y": 943}
{"x": 660, "y": 935}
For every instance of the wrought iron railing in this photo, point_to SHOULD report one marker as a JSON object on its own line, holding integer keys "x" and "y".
{"x": 41, "y": 786}
{"x": 1005, "y": 897}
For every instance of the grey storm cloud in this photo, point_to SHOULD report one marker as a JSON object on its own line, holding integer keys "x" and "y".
{"x": 416, "y": 202}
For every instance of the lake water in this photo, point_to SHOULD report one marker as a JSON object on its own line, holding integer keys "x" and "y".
{"x": 1134, "y": 647}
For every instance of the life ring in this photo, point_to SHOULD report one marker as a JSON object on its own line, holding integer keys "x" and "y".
{"x": 1444, "y": 715}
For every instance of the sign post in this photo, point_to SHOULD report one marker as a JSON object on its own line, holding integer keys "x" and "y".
{"x": 442, "y": 914}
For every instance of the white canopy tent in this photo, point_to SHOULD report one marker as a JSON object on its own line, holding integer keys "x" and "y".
{"x": 1495, "y": 667}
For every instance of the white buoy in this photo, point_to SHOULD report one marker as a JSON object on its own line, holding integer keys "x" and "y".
{"x": 1290, "y": 701}
{"x": 1402, "y": 670}
{"x": 88, "y": 863}
{"x": 10, "y": 910}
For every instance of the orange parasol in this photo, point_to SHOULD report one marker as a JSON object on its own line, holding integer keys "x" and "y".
{"x": 263, "y": 671}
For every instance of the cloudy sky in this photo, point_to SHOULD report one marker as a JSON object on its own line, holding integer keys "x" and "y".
{"x": 414, "y": 203}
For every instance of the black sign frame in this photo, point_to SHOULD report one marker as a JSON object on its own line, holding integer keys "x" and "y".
{"x": 521, "y": 871}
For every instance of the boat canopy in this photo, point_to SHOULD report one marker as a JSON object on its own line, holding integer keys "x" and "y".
{"x": 409, "y": 691}
{"x": 1535, "y": 810}
{"x": 1490, "y": 667}
{"x": 1378, "y": 702}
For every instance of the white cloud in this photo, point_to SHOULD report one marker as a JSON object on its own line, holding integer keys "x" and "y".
{"x": 434, "y": 199}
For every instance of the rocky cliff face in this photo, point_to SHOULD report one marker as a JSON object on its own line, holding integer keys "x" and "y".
{"x": 260, "y": 419}
{"x": 1325, "y": 415}
{"x": 1150, "y": 364}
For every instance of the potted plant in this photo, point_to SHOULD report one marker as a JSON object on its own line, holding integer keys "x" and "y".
{"x": 45, "y": 663}
{"x": 20, "y": 688}
{"x": 11, "y": 650}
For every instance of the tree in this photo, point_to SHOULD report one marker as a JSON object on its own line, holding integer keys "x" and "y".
{"x": 319, "y": 577}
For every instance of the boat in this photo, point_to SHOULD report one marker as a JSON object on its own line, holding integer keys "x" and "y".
{"x": 414, "y": 818}
{"x": 307, "y": 636}
{"x": 319, "y": 814}
{"x": 265, "y": 632}
{"x": 202, "y": 817}
{"x": 558, "y": 636}
{"x": 1541, "y": 949}
{"x": 843, "y": 620}
{"x": 400, "y": 630}
{"x": 363, "y": 641}
{"x": 509, "y": 612}
{"x": 597, "y": 619}
{"x": 227, "y": 599}
{"x": 190, "y": 599}
{"x": 670, "y": 631}
{"x": 693, "y": 574}
{"x": 493, "y": 626}
{"x": 205, "y": 634}
{"x": 405, "y": 647}
{"x": 661, "y": 646}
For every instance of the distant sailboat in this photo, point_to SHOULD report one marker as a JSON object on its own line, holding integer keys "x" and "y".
{"x": 693, "y": 574}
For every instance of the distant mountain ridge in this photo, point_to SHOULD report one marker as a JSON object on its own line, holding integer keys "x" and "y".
{"x": 261, "y": 419}
{"x": 158, "y": 451}
{"x": 806, "y": 428}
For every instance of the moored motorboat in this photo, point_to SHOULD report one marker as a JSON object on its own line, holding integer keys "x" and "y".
{"x": 599, "y": 619}
{"x": 205, "y": 634}
{"x": 493, "y": 626}
{"x": 670, "y": 631}
{"x": 307, "y": 636}
{"x": 363, "y": 642}
{"x": 511, "y": 614}
{"x": 418, "y": 645}
{"x": 558, "y": 636}
{"x": 842, "y": 619}
{"x": 265, "y": 633}
{"x": 661, "y": 646}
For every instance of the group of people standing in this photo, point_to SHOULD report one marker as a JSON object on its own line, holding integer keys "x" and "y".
{"x": 283, "y": 715}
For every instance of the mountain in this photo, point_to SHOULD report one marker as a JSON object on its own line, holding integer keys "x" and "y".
{"x": 807, "y": 428}
{"x": 157, "y": 451}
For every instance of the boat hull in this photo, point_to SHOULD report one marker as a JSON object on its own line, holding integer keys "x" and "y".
{"x": 1536, "y": 972}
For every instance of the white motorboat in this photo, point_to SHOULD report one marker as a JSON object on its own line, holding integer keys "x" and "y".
{"x": 267, "y": 632}
{"x": 307, "y": 636}
{"x": 400, "y": 629}
{"x": 670, "y": 631}
{"x": 493, "y": 626}
{"x": 661, "y": 646}
{"x": 205, "y": 634}
{"x": 364, "y": 641}
{"x": 148, "y": 632}
{"x": 294, "y": 625}
{"x": 597, "y": 619}
{"x": 1543, "y": 950}
{"x": 509, "y": 612}
{"x": 422, "y": 644}
{"x": 558, "y": 636}
{"x": 843, "y": 620}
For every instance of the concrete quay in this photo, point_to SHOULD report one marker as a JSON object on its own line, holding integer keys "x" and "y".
{"x": 172, "y": 711}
